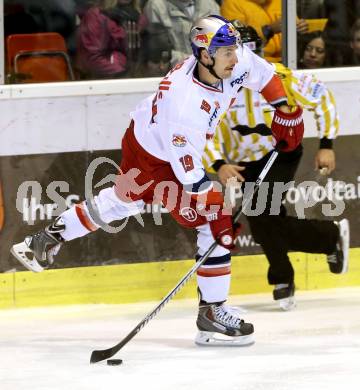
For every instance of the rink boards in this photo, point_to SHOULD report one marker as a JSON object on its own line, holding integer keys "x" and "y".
{"x": 152, "y": 281}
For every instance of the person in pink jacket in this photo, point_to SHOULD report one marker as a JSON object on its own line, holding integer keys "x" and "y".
{"x": 108, "y": 39}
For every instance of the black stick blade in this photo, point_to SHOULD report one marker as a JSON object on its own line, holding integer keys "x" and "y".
{"x": 98, "y": 356}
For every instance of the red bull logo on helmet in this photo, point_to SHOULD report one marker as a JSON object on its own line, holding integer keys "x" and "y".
{"x": 203, "y": 38}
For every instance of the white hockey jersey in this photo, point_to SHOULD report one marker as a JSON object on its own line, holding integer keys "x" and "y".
{"x": 175, "y": 123}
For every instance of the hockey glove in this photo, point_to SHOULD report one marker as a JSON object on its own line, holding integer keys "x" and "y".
{"x": 211, "y": 206}
{"x": 223, "y": 230}
{"x": 288, "y": 129}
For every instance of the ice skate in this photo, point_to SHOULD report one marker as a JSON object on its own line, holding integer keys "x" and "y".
{"x": 220, "y": 324}
{"x": 284, "y": 295}
{"x": 37, "y": 252}
{"x": 339, "y": 260}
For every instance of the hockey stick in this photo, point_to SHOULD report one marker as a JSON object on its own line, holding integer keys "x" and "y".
{"x": 100, "y": 355}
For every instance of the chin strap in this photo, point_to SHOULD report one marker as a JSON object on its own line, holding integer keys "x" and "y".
{"x": 210, "y": 68}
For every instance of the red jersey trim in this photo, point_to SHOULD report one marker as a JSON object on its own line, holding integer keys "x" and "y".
{"x": 208, "y": 87}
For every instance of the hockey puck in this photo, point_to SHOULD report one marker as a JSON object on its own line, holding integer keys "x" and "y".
{"x": 114, "y": 362}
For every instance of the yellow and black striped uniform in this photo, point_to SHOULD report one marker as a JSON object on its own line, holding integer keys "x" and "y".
{"x": 244, "y": 133}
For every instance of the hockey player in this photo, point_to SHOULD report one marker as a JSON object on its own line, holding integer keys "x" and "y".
{"x": 164, "y": 144}
{"x": 245, "y": 137}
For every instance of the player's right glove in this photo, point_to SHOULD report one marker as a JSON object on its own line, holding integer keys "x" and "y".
{"x": 288, "y": 129}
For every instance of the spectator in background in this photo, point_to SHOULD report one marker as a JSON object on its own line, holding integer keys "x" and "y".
{"x": 313, "y": 51}
{"x": 310, "y": 9}
{"x": 108, "y": 39}
{"x": 337, "y": 30}
{"x": 265, "y": 17}
{"x": 177, "y": 17}
{"x": 82, "y": 6}
{"x": 36, "y": 16}
{"x": 355, "y": 43}
{"x": 340, "y": 15}
{"x": 17, "y": 20}
{"x": 157, "y": 51}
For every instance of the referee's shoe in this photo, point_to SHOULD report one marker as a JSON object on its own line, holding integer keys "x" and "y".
{"x": 284, "y": 294}
{"x": 339, "y": 260}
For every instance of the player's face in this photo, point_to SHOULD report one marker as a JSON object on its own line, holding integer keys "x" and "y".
{"x": 226, "y": 59}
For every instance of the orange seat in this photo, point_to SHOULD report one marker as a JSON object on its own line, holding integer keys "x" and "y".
{"x": 36, "y": 58}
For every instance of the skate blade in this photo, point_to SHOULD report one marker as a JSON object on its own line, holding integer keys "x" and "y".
{"x": 214, "y": 339}
{"x": 287, "y": 304}
{"x": 20, "y": 251}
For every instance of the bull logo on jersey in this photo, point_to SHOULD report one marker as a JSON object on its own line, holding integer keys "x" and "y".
{"x": 179, "y": 140}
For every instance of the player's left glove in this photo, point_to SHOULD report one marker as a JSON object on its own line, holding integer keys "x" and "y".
{"x": 211, "y": 206}
{"x": 288, "y": 129}
{"x": 220, "y": 221}
{"x": 224, "y": 231}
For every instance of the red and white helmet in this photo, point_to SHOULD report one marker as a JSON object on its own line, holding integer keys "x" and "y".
{"x": 212, "y": 32}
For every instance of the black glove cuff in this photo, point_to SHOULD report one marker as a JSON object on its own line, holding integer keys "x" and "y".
{"x": 280, "y": 103}
{"x": 326, "y": 143}
{"x": 218, "y": 164}
{"x": 267, "y": 31}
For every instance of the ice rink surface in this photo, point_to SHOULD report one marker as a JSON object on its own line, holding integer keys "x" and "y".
{"x": 314, "y": 347}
